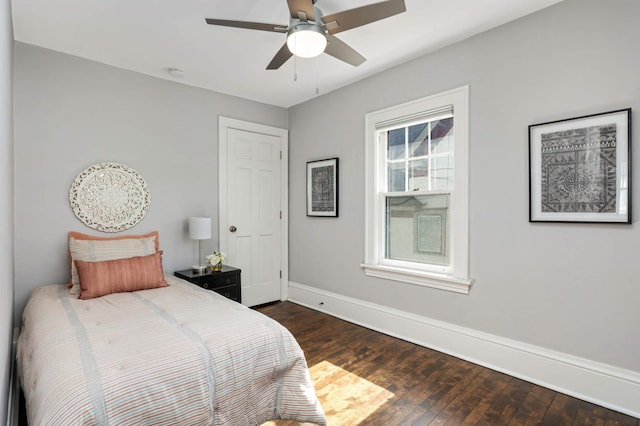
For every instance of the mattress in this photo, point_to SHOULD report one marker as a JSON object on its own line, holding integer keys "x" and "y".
{"x": 166, "y": 356}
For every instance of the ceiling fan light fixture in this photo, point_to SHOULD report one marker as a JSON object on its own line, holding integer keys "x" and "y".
{"x": 306, "y": 40}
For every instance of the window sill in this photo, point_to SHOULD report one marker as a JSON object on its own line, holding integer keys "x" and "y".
{"x": 421, "y": 278}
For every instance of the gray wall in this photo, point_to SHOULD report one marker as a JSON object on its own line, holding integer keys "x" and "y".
{"x": 568, "y": 287}
{"x": 71, "y": 113}
{"x": 6, "y": 203}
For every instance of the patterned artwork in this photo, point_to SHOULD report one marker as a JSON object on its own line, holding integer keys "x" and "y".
{"x": 578, "y": 170}
{"x": 322, "y": 187}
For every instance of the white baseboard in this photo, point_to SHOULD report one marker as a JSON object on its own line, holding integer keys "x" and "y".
{"x": 605, "y": 385}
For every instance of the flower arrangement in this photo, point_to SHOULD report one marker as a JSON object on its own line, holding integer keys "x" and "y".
{"x": 215, "y": 260}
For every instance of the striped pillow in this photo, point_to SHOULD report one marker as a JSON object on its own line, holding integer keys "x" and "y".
{"x": 121, "y": 275}
{"x": 93, "y": 249}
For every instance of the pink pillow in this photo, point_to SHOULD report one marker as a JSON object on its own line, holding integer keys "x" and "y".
{"x": 109, "y": 248}
{"x": 121, "y": 275}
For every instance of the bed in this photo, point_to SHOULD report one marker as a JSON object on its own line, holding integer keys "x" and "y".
{"x": 174, "y": 354}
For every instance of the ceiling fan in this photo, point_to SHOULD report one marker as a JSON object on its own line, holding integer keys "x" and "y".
{"x": 310, "y": 33}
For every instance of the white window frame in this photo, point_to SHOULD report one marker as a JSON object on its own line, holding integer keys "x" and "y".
{"x": 455, "y": 277}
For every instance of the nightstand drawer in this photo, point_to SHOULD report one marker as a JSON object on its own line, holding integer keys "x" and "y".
{"x": 222, "y": 279}
{"x": 230, "y": 292}
{"x": 215, "y": 280}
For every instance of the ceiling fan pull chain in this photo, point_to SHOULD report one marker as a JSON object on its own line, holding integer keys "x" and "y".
{"x": 316, "y": 67}
{"x": 295, "y": 68}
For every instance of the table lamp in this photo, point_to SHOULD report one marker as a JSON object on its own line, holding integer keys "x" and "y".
{"x": 200, "y": 229}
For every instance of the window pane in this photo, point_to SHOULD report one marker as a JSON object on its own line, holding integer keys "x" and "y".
{"x": 442, "y": 137}
{"x": 417, "y": 229}
{"x": 419, "y": 140}
{"x": 396, "y": 145}
{"x": 442, "y": 172}
{"x": 441, "y": 129}
{"x": 396, "y": 177}
{"x": 429, "y": 160}
{"x": 419, "y": 175}
{"x": 442, "y": 150}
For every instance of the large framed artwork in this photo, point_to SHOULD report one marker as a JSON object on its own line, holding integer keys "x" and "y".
{"x": 322, "y": 188}
{"x": 580, "y": 169}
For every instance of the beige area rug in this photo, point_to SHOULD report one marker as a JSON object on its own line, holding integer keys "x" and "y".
{"x": 347, "y": 399}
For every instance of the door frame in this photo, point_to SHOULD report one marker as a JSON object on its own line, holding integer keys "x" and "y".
{"x": 224, "y": 124}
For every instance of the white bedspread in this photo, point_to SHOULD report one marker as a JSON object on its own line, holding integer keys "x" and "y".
{"x": 178, "y": 355}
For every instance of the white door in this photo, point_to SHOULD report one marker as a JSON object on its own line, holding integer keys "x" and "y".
{"x": 253, "y": 188}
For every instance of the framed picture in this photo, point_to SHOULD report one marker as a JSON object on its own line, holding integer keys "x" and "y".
{"x": 580, "y": 169}
{"x": 322, "y": 188}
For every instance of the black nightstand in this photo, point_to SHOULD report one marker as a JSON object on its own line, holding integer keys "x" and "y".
{"x": 225, "y": 282}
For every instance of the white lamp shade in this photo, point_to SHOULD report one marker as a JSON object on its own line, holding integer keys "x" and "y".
{"x": 306, "y": 41}
{"x": 199, "y": 228}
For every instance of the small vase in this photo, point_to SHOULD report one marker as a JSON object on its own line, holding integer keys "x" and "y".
{"x": 217, "y": 267}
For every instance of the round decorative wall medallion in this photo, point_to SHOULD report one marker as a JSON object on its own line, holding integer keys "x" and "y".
{"x": 109, "y": 197}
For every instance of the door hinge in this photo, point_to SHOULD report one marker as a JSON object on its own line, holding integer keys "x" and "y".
{"x": 281, "y": 155}
{"x": 280, "y": 214}
{"x": 280, "y": 274}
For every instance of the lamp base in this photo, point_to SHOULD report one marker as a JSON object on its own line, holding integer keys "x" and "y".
{"x": 197, "y": 269}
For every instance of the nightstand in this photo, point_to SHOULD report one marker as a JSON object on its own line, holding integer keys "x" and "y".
{"x": 225, "y": 282}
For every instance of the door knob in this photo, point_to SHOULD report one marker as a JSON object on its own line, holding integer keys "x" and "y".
{"x": 233, "y": 228}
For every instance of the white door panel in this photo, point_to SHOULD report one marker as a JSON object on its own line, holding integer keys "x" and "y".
{"x": 251, "y": 200}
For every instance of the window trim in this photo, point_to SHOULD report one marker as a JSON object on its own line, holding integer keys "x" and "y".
{"x": 457, "y": 278}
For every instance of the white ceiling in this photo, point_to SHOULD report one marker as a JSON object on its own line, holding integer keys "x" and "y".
{"x": 151, "y": 36}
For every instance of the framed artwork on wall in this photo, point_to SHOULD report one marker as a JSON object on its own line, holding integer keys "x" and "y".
{"x": 322, "y": 188}
{"x": 580, "y": 169}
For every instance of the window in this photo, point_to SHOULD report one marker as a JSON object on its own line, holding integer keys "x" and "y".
{"x": 417, "y": 192}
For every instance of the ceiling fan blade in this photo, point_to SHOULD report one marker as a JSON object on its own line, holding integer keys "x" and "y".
{"x": 359, "y": 16}
{"x": 340, "y": 50}
{"x": 281, "y": 57}
{"x": 302, "y": 9}
{"x": 248, "y": 25}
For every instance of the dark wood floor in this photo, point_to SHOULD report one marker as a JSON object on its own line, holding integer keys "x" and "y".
{"x": 368, "y": 378}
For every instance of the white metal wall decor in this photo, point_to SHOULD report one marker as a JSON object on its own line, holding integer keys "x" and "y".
{"x": 109, "y": 197}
